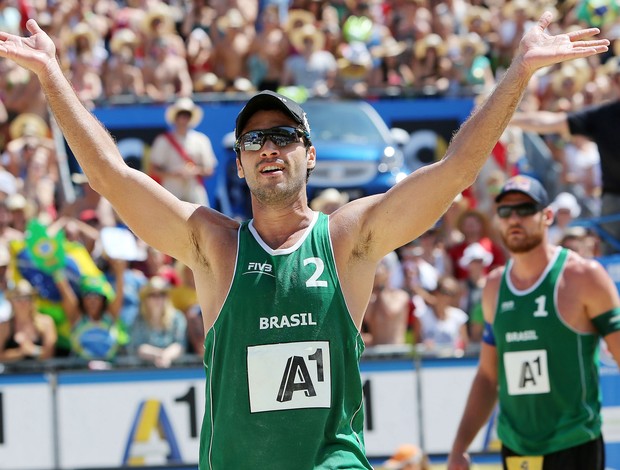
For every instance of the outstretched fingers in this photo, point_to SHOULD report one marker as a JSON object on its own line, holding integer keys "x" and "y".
{"x": 582, "y": 33}
{"x": 598, "y": 43}
{"x": 545, "y": 20}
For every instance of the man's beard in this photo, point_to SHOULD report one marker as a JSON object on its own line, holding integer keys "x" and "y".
{"x": 523, "y": 245}
{"x": 281, "y": 193}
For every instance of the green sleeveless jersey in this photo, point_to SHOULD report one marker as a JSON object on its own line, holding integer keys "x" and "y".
{"x": 283, "y": 386}
{"x": 549, "y": 396}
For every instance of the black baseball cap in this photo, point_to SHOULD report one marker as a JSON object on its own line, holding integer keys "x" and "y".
{"x": 526, "y": 185}
{"x": 266, "y": 100}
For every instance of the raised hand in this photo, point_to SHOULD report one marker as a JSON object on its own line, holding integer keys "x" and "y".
{"x": 35, "y": 52}
{"x": 539, "y": 49}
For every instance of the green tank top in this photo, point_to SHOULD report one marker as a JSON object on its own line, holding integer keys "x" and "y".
{"x": 283, "y": 386}
{"x": 548, "y": 373}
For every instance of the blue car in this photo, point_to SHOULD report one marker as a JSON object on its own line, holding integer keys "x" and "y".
{"x": 356, "y": 152}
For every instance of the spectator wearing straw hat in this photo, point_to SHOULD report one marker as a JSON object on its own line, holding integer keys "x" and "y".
{"x": 430, "y": 64}
{"x": 159, "y": 332}
{"x": 390, "y": 73}
{"x": 232, "y": 43}
{"x": 328, "y": 200}
{"x": 158, "y": 23}
{"x": 268, "y": 52}
{"x": 27, "y": 334}
{"x": 312, "y": 68}
{"x": 166, "y": 74}
{"x": 183, "y": 156}
{"x": 30, "y": 140}
{"x": 121, "y": 74}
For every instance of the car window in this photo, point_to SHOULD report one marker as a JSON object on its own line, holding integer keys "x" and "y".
{"x": 342, "y": 122}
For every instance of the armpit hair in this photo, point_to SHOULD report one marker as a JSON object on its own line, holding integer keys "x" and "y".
{"x": 198, "y": 253}
{"x": 361, "y": 249}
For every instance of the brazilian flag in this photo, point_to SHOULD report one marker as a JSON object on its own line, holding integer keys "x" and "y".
{"x": 38, "y": 256}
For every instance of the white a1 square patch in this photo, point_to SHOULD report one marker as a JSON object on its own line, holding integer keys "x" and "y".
{"x": 289, "y": 376}
{"x": 527, "y": 372}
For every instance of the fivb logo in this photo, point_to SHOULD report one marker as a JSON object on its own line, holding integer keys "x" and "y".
{"x": 259, "y": 268}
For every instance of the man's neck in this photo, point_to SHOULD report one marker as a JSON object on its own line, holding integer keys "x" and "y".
{"x": 281, "y": 228}
{"x": 527, "y": 267}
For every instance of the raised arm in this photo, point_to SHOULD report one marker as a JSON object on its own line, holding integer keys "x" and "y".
{"x": 541, "y": 122}
{"x": 154, "y": 214}
{"x": 413, "y": 205}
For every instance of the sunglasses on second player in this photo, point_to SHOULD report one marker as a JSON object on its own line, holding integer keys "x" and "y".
{"x": 525, "y": 209}
{"x": 281, "y": 136}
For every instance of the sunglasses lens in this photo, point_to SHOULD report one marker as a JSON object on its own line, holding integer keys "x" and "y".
{"x": 254, "y": 140}
{"x": 522, "y": 210}
{"x": 525, "y": 210}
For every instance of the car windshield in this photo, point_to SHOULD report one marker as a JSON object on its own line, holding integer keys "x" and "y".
{"x": 342, "y": 122}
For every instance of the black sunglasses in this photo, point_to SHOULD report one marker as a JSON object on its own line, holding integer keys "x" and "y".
{"x": 281, "y": 136}
{"x": 525, "y": 209}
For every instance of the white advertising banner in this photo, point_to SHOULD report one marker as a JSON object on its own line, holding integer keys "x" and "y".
{"x": 390, "y": 407}
{"x": 26, "y": 413}
{"x": 130, "y": 418}
{"x": 445, "y": 386}
{"x": 137, "y": 418}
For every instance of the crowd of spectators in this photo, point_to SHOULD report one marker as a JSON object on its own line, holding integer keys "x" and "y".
{"x": 147, "y": 51}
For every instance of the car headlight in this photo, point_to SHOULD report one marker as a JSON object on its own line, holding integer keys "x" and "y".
{"x": 391, "y": 160}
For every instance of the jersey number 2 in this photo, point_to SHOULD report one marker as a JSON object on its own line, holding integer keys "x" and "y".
{"x": 319, "y": 268}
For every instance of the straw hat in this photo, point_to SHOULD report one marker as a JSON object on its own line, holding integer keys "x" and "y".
{"x": 478, "y": 18}
{"x": 187, "y": 105}
{"x": 122, "y": 37}
{"x": 299, "y": 35}
{"x": 154, "y": 285}
{"x": 28, "y": 124}
{"x": 474, "y": 41}
{"x": 297, "y": 18}
{"x": 328, "y": 196}
{"x": 569, "y": 72}
{"x": 16, "y": 202}
{"x": 389, "y": 47}
{"x": 160, "y": 12}
{"x": 83, "y": 30}
{"x": 430, "y": 41}
{"x": 510, "y": 8}
{"x": 355, "y": 61}
{"x": 612, "y": 66}
{"x": 233, "y": 19}
{"x": 21, "y": 288}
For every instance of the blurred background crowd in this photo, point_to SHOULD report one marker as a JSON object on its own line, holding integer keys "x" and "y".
{"x": 65, "y": 291}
